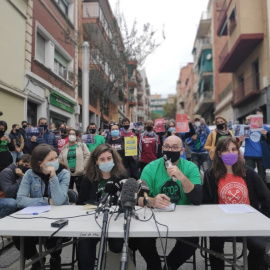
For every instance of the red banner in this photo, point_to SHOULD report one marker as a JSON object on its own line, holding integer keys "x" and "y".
{"x": 181, "y": 123}
{"x": 160, "y": 125}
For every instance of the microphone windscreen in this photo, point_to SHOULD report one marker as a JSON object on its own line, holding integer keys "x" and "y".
{"x": 111, "y": 187}
{"x": 129, "y": 193}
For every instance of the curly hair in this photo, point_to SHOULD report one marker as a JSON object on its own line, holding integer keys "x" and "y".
{"x": 219, "y": 168}
{"x": 92, "y": 170}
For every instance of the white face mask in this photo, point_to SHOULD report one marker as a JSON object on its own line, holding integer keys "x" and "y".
{"x": 72, "y": 138}
{"x": 197, "y": 123}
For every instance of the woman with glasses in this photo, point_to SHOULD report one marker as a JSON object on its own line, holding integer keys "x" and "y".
{"x": 117, "y": 142}
{"x": 230, "y": 176}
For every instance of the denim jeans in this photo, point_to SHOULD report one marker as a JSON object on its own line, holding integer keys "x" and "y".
{"x": 16, "y": 155}
{"x": 7, "y": 206}
{"x": 201, "y": 159}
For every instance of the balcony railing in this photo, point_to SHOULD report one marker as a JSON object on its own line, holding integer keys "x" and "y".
{"x": 249, "y": 87}
{"x": 205, "y": 95}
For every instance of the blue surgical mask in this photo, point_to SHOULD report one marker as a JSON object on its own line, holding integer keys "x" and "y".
{"x": 106, "y": 166}
{"x": 171, "y": 129}
{"x": 55, "y": 164}
{"x": 115, "y": 133}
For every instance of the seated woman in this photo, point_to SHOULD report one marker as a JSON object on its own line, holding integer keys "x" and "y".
{"x": 104, "y": 165}
{"x": 46, "y": 183}
{"x": 229, "y": 176}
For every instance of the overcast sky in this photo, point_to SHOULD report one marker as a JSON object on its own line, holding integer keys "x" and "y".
{"x": 180, "y": 19}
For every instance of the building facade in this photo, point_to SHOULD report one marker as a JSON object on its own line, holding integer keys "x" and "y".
{"x": 14, "y": 16}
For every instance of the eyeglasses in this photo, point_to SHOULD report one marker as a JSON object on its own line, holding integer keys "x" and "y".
{"x": 173, "y": 148}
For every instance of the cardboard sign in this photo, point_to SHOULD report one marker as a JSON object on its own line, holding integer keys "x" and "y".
{"x": 88, "y": 138}
{"x": 131, "y": 146}
{"x": 160, "y": 125}
{"x": 34, "y": 131}
{"x": 239, "y": 130}
{"x": 256, "y": 122}
{"x": 181, "y": 123}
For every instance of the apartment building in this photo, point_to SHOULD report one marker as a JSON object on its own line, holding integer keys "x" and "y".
{"x": 107, "y": 89}
{"x": 14, "y": 16}
{"x": 246, "y": 54}
{"x": 204, "y": 94}
{"x": 181, "y": 88}
{"x": 156, "y": 105}
{"x": 50, "y": 81}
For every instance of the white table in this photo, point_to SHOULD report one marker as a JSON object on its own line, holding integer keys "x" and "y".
{"x": 185, "y": 221}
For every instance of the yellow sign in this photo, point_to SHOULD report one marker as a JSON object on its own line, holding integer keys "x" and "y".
{"x": 131, "y": 146}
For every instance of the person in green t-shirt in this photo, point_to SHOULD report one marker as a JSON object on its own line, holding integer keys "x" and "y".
{"x": 98, "y": 139}
{"x": 179, "y": 183}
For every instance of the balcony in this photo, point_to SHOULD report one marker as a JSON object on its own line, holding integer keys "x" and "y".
{"x": 94, "y": 21}
{"x": 204, "y": 26}
{"x": 140, "y": 103}
{"x": 139, "y": 91}
{"x": 132, "y": 100}
{"x": 249, "y": 88}
{"x": 206, "y": 100}
{"x": 132, "y": 82}
{"x": 230, "y": 60}
{"x": 222, "y": 19}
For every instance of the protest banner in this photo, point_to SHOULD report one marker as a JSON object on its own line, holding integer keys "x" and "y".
{"x": 160, "y": 125}
{"x": 131, "y": 146}
{"x": 256, "y": 122}
{"x": 88, "y": 138}
{"x": 239, "y": 130}
{"x": 181, "y": 123}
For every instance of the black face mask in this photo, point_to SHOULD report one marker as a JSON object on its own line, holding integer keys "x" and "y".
{"x": 24, "y": 126}
{"x": 220, "y": 126}
{"x": 149, "y": 128}
{"x": 23, "y": 168}
{"x": 172, "y": 155}
{"x": 92, "y": 130}
{"x": 2, "y": 133}
{"x": 126, "y": 126}
{"x": 63, "y": 130}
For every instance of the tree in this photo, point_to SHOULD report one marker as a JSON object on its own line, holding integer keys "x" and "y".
{"x": 170, "y": 109}
{"x": 155, "y": 116}
{"x": 110, "y": 52}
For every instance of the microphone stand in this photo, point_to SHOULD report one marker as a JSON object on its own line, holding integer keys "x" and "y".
{"x": 124, "y": 256}
{"x": 103, "y": 233}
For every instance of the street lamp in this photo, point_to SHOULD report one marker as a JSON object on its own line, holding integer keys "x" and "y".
{"x": 85, "y": 84}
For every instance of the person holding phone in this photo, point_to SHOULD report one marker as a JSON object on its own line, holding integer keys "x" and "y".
{"x": 46, "y": 183}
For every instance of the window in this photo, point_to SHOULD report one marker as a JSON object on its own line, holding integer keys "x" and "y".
{"x": 40, "y": 48}
{"x": 63, "y": 5}
{"x": 60, "y": 64}
{"x": 232, "y": 19}
{"x": 256, "y": 75}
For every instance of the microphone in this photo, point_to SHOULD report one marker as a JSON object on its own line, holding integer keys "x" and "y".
{"x": 110, "y": 189}
{"x": 168, "y": 163}
{"x": 129, "y": 194}
{"x": 143, "y": 188}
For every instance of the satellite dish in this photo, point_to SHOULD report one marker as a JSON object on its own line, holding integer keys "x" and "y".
{"x": 208, "y": 56}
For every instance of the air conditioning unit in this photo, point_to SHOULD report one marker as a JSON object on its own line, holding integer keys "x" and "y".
{"x": 69, "y": 75}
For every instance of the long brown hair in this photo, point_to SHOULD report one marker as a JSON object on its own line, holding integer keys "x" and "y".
{"x": 92, "y": 170}
{"x": 218, "y": 165}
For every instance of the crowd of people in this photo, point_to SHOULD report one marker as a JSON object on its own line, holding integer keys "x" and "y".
{"x": 40, "y": 168}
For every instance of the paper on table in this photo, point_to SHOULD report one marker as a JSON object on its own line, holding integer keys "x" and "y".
{"x": 31, "y": 210}
{"x": 169, "y": 208}
{"x": 236, "y": 208}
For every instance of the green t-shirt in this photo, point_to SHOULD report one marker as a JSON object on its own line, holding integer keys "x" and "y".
{"x": 71, "y": 157}
{"x": 159, "y": 182}
{"x": 98, "y": 140}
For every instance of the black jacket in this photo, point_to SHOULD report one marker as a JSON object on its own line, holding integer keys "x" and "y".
{"x": 259, "y": 195}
